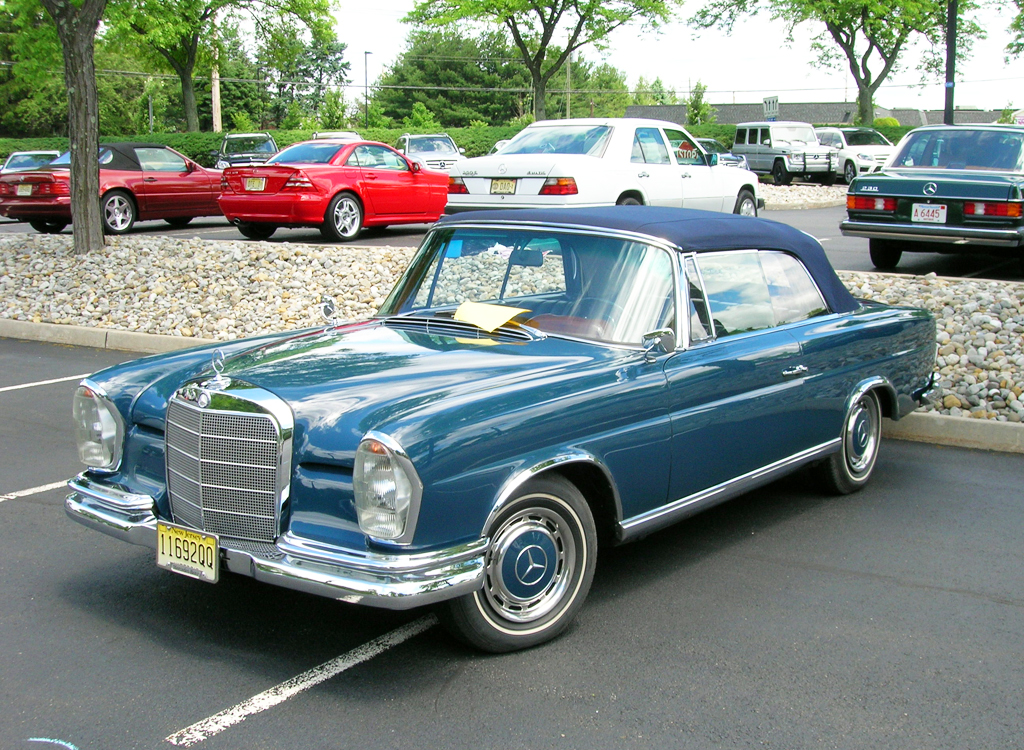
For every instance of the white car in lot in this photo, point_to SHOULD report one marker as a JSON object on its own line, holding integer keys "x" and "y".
{"x": 602, "y": 162}
{"x": 861, "y": 150}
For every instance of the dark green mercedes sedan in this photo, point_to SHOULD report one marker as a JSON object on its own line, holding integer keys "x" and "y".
{"x": 948, "y": 189}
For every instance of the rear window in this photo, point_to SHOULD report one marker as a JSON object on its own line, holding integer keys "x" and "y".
{"x": 307, "y": 153}
{"x": 961, "y": 148}
{"x": 589, "y": 140}
{"x": 64, "y": 160}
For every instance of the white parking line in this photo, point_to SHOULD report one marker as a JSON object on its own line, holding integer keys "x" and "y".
{"x": 269, "y": 698}
{"x": 33, "y": 491}
{"x": 43, "y": 382}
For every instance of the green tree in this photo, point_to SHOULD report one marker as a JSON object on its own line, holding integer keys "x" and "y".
{"x": 698, "y": 111}
{"x": 652, "y": 93}
{"x": 534, "y": 25}
{"x": 596, "y": 90}
{"x": 869, "y": 35}
{"x": 461, "y": 79}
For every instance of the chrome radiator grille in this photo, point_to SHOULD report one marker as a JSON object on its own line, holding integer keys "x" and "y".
{"x": 222, "y": 471}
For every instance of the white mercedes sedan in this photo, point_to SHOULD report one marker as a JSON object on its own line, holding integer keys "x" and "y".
{"x": 602, "y": 162}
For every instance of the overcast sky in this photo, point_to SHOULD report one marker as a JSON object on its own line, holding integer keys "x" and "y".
{"x": 745, "y": 67}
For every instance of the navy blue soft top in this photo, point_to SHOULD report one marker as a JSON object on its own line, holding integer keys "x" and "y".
{"x": 690, "y": 230}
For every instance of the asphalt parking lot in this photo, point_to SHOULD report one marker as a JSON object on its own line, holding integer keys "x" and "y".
{"x": 785, "y": 618}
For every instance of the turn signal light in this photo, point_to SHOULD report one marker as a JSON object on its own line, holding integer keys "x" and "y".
{"x": 866, "y": 203}
{"x": 457, "y": 186}
{"x": 559, "y": 186}
{"x": 1009, "y": 210}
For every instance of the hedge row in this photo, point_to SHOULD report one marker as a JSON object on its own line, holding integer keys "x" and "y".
{"x": 475, "y": 140}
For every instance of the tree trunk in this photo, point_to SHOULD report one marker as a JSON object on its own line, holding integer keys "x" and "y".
{"x": 540, "y": 90}
{"x": 865, "y": 106}
{"x": 188, "y": 100}
{"x": 76, "y": 28}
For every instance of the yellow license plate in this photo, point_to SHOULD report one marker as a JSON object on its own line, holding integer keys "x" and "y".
{"x": 503, "y": 187}
{"x": 255, "y": 184}
{"x": 24, "y": 190}
{"x": 192, "y": 553}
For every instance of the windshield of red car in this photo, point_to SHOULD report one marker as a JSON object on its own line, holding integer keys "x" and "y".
{"x": 307, "y": 153}
{"x": 962, "y": 148}
{"x": 565, "y": 284}
{"x": 563, "y": 139}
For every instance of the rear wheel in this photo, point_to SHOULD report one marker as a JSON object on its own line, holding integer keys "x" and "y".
{"x": 48, "y": 227}
{"x": 780, "y": 174}
{"x": 538, "y": 570}
{"x": 118, "y": 211}
{"x": 343, "y": 219}
{"x": 256, "y": 231}
{"x": 746, "y": 205}
{"x": 179, "y": 221}
{"x": 628, "y": 200}
{"x": 884, "y": 254}
{"x": 849, "y": 469}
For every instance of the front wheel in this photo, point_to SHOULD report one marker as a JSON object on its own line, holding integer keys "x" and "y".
{"x": 849, "y": 172}
{"x": 746, "y": 205}
{"x": 118, "y": 211}
{"x": 538, "y": 571}
{"x": 256, "y": 231}
{"x": 849, "y": 469}
{"x": 780, "y": 174}
{"x": 343, "y": 219}
{"x": 828, "y": 179}
{"x": 884, "y": 254}
{"x": 48, "y": 227}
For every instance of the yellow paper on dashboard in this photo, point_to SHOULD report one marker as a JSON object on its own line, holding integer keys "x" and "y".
{"x": 487, "y": 317}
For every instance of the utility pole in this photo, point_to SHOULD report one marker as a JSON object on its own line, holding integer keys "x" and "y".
{"x": 951, "y": 19}
{"x": 366, "y": 89}
{"x": 568, "y": 65}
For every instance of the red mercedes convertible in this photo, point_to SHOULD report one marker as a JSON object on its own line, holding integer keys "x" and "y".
{"x": 337, "y": 185}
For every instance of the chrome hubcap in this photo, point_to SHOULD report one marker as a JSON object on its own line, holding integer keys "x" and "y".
{"x": 118, "y": 213}
{"x": 530, "y": 565}
{"x": 747, "y": 208}
{"x": 346, "y": 217}
{"x": 861, "y": 441}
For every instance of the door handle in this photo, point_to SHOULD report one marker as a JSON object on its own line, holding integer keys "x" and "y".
{"x": 643, "y": 174}
{"x": 793, "y": 371}
{"x": 685, "y": 175}
{"x": 371, "y": 177}
{"x": 149, "y": 179}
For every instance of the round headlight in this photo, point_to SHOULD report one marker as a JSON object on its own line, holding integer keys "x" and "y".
{"x": 866, "y": 157}
{"x": 99, "y": 429}
{"x": 386, "y": 489}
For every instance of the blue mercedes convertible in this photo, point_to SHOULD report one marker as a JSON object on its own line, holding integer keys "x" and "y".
{"x": 539, "y": 384}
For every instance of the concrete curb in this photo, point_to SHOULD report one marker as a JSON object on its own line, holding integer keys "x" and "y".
{"x": 923, "y": 427}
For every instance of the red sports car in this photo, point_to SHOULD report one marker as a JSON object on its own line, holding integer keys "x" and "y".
{"x": 337, "y": 185}
{"x": 138, "y": 181}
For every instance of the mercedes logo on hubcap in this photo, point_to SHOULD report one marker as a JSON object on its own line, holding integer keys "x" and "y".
{"x": 531, "y": 564}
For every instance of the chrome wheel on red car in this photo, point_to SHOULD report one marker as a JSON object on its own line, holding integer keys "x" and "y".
{"x": 118, "y": 211}
{"x": 344, "y": 218}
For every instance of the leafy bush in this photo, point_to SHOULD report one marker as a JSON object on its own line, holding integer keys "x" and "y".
{"x": 886, "y": 122}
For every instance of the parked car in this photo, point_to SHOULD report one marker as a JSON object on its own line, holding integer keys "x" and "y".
{"x": 861, "y": 150}
{"x": 138, "y": 181}
{"x": 786, "y": 149}
{"x": 348, "y": 135}
{"x": 436, "y": 151}
{"x": 244, "y": 148}
{"x": 602, "y": 162}
{"x": 725, "y": 156}
{"x": 948, "y": 189}
{"x": 539, "y": 384}
{"x": 20, "y": 161}
{"x": 337, "y": 185}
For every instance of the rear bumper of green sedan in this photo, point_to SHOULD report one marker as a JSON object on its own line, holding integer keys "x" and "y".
{"x": 954, "y": 235}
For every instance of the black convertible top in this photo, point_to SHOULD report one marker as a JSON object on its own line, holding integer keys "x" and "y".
{"x": 688, "y": 229}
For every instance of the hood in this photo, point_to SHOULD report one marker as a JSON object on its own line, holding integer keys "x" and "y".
{"x": 342, "y": 382}
{"x": 952, "y": 184}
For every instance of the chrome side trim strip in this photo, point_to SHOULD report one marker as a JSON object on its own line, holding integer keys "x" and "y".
{"x": 666, "y": 515}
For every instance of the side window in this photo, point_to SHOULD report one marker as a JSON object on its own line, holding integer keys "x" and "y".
{"x": 160, "y": 160}
{"x": 737, "y": 293}
{"x": 685, "y": 149}
{"x": 377, "y": 157}
{"x": 649, "y": 148}
{"x": 793, "y": 293}
{"x": 741, "y": 136}
{"x": 766, "y": 137}
{"x": 700, "y": 319}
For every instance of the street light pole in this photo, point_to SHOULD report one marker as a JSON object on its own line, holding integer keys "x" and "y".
{"x": 951, "y": 22}
{"x": 366, "y": 89}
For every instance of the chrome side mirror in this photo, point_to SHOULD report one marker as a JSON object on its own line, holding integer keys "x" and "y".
{"x": 659, "y": 342}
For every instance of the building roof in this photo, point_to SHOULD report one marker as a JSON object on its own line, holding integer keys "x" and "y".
{"x": 817, "y": 113}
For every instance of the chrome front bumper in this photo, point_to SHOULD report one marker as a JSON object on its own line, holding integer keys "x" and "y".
{"x": 391, "y": 581}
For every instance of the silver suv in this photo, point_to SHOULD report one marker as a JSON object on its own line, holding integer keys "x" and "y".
{"x": 785, "y": 150}
{"x": 435, "y": 151}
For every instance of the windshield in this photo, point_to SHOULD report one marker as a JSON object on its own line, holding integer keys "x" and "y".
{"x": 432, "y": 145}
{"x": 564, "y": 139}
{"x": 307, "y": 153}
{"x": 64, "y": 160}
{"x": 255, "y": 145}
{"x": 28, "y": 161}
{"x": 712, "y": 146}
{"x": 865, "y": 138}
{"x": 576, "y": 285}
{"x": 961, "y": 148}
{"x": 794, "y": 134}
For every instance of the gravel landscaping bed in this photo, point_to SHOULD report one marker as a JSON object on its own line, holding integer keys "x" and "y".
{"x": 802, "y": 195}
{"x": 225, "y": 290}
